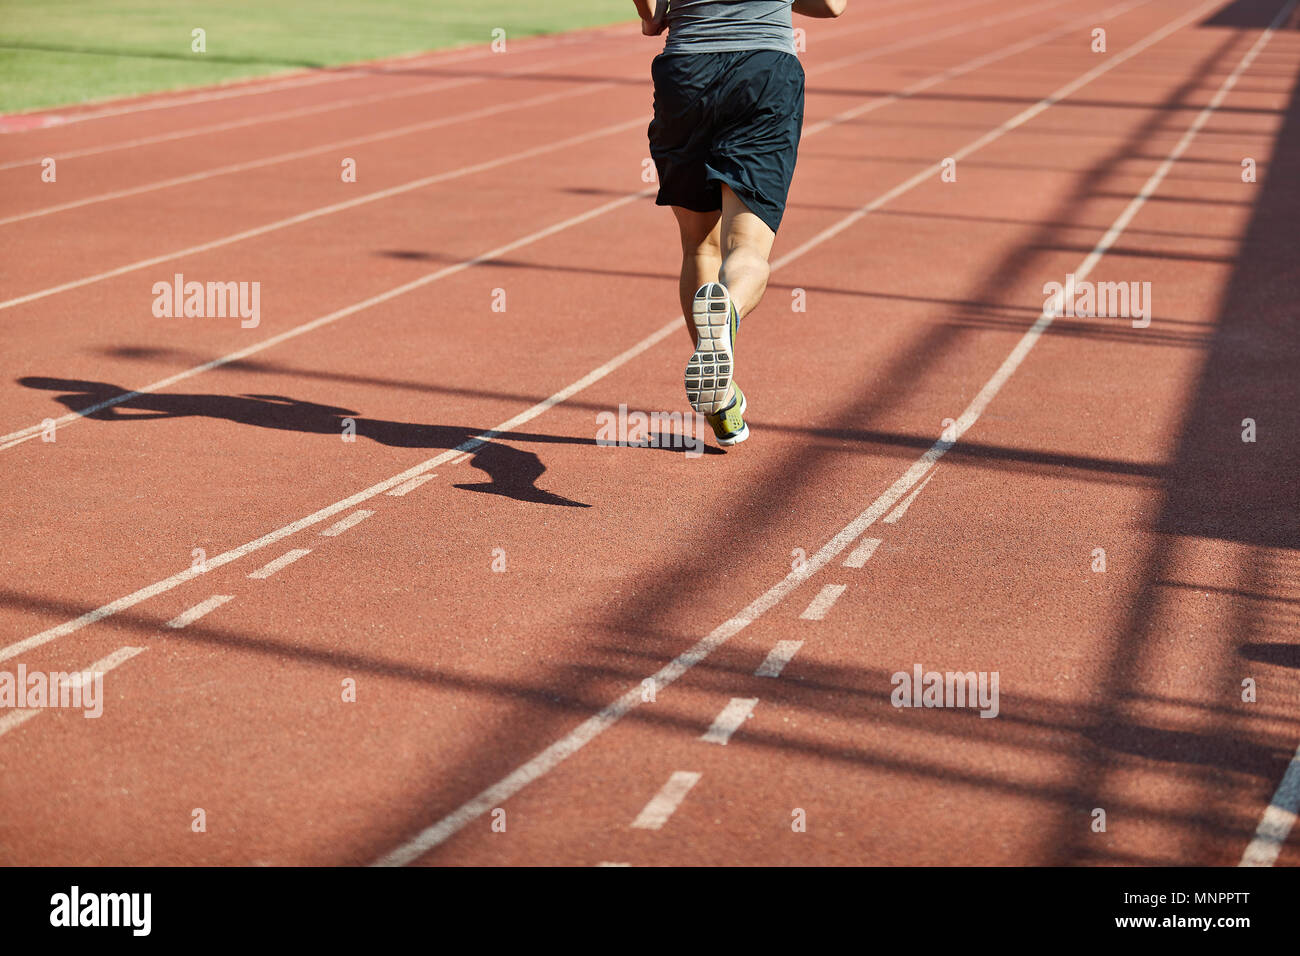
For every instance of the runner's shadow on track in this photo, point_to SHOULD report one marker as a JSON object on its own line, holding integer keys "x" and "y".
{"x": 512, "y": 472}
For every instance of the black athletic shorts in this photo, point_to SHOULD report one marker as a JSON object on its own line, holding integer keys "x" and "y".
{"x": 731, "y": 118}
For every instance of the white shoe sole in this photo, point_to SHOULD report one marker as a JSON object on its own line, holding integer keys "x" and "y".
{"x": 709, "y": 371}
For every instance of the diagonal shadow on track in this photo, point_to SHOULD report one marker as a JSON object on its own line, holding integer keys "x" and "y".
{"x": 1220, "y": 490}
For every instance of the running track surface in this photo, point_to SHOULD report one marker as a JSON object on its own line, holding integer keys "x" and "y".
{"x": 501, "y": 716}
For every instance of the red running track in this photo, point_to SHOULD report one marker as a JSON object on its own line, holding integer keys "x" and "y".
{"x": 936, "y": 460}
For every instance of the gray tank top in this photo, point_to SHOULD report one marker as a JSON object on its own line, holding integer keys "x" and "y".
{"x": 722, "y": 26}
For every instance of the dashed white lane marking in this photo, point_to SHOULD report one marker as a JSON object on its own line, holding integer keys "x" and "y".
{"x": 777, "y": 658}
{"x": 729, "y": 720}
{"x": 559, "y": 751}
{"x": 284, "y": 560}
{"x": 408, "y": 487}
{"x": 31, "y": 431}
{"x": 102, "y": 666}
{"x": 862, "y": 553}
{"x": 16, "y": 718}
{"x": 329, "y": 511}
{"x": 822, "y": 603}
{"x": 1279, "y": 818}
{"x": 664, "y": 803}
{"x": 898, "y": 512}
{"x": 607, "y": 863}
{"x": 186, "y": 618}
{"x": 340, "y": 526}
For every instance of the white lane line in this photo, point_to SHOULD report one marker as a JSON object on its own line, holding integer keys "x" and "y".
{"x": 408, "y": 487}
{"x": 101, "y": 666}
{"x": 283, "y": 561}
{"x": 481, "y": 167}
{"x": 339, "y": 527}
{"x": 777, "y": 658}
{"x": 295, "y": 80}
{"x": 16, "y": 718}
{"x": 216, "y": 171}
{"x": 186, "y": 618}
{"x": 729, "y": 720}
{"x": 1280, "y": 814}
{"x": 897, "y": 513}
{"x": 663, "y": 804}
{"x": 553, "y": 755}
{"x": 300, "y": 112}
{"x": 822, "y": 603}
{"x": 31, "y": 431}
{"x": 559, "y": 751}
{"x": 607, "y": 863}
{"x": 862, "y": 553}
{"x": 1020, "y": 119}
{"x": 317, "y": 213}
{"x": 181, "y": 577}
{"x": 1278, "y": 820}
{"x": 26, "y": 434}
{"x": 394, "y": 94}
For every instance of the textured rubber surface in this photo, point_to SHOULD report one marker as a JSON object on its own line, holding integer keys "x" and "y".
{"x": 1102, "y": 537}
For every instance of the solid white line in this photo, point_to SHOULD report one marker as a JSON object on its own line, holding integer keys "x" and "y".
{"x": 897, "y": 513}
{"x": 321, "y": 211}
{"x": 1020, "y": 119}
{"x": 1278, "y": 820}
{"x": 408, "y": 487}
{"x": 181, "y": 577}
{"x": 216, "y": 171}
{"x": 16, "y": 718}
{"x": 862, "y": 553}
{"x": 299, "y": 112}
{"x": 489, "y": 111}
{"x": 559, "y": 751}
{"x": 822, "y": 603}
{"x": 963, "y": 26}
{"x": 729, "y": 720}
{"x": 1280, "y": 814}
{"x": 355, "y": 518}
{"x": 31, "y": 431}
{"x": 186, "y": 618}
{"x": 393, "y": 94}
{"x": 777, "y": 658}
{"x": 284, "y": 560}
{"x": 102, "y": 666}
{"x": 666, "y": 801}
{"x": 295, "y": 80}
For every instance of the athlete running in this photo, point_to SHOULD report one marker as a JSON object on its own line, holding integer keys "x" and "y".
{"x": 728, "y": 113}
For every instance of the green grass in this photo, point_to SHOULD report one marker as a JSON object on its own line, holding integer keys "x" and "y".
{"x": 55, "y": 52}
